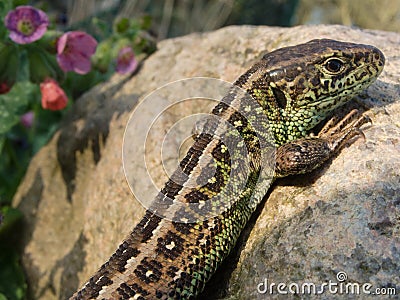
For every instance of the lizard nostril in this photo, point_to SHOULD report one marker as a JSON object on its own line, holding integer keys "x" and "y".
{"x": 379, "y": 56}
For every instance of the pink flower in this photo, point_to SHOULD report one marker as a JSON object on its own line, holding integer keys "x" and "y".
{"x": 27, "y": 119}
{"x": 53, "y": 97}
{"x": 74, "y": 49}
{"x": 26, "y": 24}
{"x": 126, "y": 62}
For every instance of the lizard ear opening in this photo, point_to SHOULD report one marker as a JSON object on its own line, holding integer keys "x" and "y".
{"x": 280, "y": 97}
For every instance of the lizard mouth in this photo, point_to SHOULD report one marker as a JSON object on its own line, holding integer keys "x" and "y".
{"x": 333, "y": 100}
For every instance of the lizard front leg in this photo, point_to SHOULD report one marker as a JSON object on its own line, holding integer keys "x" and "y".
{"x": 304, "y": 155}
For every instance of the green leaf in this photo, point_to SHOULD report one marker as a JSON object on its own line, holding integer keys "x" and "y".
{"x": 9, "y": 63}
{"x": 2, "y": 297}
{"x": 13, "y": 103}
{"x": 43, "y": 65}
{"x": 5, "y": 7}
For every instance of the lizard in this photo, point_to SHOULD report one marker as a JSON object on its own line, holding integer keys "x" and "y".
{"x": 292, "y": 89}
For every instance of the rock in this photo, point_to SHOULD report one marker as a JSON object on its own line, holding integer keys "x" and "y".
{"x": 342, "y": 218}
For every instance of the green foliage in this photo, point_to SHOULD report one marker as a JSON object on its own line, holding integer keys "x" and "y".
{"x": 14, "y": 103}
{"x": 126, "y": 32}
{"x": 19, "y": 2}
{"x": 5, "y": 6}
{"x": 146, "y": 22}
{"x": 11, "y": 218}
{"x": 9, "y": 63}
{"x": 42, "y": 64}
{"x": 28, "y": 65}
{"x": 122, "y": 25}
{"x": 18, "y": 143}
{"x": 12, "y": 282}
{"x": 23, "y": 67}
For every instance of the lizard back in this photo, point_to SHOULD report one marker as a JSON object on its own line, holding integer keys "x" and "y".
{"x": 291, "y": 90}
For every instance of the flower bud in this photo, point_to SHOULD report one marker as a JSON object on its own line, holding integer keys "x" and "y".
{"x": 102, "y": 58}
{"x": 27, "y": 119}
{"x": 4, "y": 88}
{"x": 126, "y": 61}
{"x": 53, "y": 96}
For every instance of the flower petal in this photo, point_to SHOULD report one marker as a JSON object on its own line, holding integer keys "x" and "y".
{"x": 83, "y": 42}
{"x": 74, "y": 50}
{"x": 126, "y": 61}
{"x": 26, "y": 24}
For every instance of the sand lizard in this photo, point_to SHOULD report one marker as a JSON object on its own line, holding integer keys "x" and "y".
{"x": 296, "y": 87}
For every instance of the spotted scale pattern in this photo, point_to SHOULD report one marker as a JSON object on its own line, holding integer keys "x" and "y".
{"x": 296, "y": 88}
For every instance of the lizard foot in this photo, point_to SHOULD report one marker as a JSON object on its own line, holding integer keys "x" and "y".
{"x": 305, "y": 155}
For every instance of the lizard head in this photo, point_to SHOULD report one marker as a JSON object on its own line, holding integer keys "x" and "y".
{"x": 299, "y": 86}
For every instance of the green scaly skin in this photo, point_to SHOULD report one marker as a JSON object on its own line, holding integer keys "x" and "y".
{"x": 293, "y": 89}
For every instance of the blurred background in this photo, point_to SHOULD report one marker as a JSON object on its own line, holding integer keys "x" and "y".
{"x": 171, "y": 18}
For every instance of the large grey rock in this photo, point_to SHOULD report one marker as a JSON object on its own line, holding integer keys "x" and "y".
{"x": 344, "y": 217}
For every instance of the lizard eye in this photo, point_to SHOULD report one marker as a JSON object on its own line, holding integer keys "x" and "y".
{"x": 334, "y": 65}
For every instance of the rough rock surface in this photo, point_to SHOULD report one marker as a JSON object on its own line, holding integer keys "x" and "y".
{"x": 345, "y": 217}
